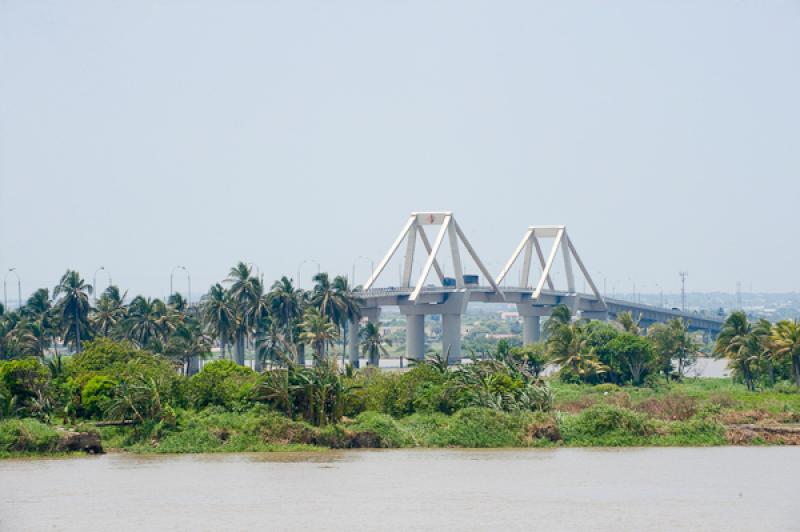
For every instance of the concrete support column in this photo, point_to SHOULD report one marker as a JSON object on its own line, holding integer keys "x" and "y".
{"x": 415, "y": 336}
{"x": 531, "y": 331}
{"x": 451, "y": 337}
{"x": 352, "y": 343}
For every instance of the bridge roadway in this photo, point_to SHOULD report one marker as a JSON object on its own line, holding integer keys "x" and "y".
{"x": 450, "y": 303}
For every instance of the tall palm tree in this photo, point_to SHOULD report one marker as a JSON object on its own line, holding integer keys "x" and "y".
{"x": 373, "y": 343}
{"x": 38, "y": 304}
{"x": 39, "y": 311}
{"x": 319, "y": 332}
{"x": 217, "y": 315}
{"x": 109, "y": 311}
{"x": 349, "y": 305}
{"x": 323, "y": 297}
{"x": 245, "y": 293}
{"x": 286, "y": 304}
{"x": 559, "y": 317}
{"x": 742, "y": 348}
{"x": 146, "y": 321}
{"x": 786, "y": 341}
{"x": 73, "y": 300}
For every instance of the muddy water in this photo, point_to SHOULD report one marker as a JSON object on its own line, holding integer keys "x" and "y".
{"x": 564, "y": 489}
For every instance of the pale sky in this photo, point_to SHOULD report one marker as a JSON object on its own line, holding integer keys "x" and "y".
{"x": 142, "y": 135}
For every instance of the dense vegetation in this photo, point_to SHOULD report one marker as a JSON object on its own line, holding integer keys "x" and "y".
{"x": 131, "y": 374}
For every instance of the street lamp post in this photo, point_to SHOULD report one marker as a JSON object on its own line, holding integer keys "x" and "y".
{"x": 19, "y": 288}
{"x": 353, "y": 274}
{"x": 94, "y": 280}
{"x": 299, "y": 268}
{"x": 188, "y": 281}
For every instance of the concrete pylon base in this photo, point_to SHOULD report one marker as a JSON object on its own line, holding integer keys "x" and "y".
{"x": 531, "y": 330}
{"x": 415, "y": 336}
{"x": 451, "y": 337}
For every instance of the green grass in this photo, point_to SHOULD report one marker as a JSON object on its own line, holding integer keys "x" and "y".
{"x": 696, "y": 412}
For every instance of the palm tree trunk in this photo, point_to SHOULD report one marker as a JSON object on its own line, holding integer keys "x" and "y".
{"x": 77, "y": 331}
{"x": 240, "y": 349}
{"x": 796, "y": 364}
{"x": 344, "y": 343}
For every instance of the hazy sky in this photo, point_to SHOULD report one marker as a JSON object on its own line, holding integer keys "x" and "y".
{"x": 141, "y": 135}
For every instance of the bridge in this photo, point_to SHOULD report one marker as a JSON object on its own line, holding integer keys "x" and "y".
{"x": 449, "y": 298}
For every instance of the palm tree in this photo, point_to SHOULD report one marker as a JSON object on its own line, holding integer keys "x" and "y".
{"x": 217, "y": 314}
{"x": 319, "y": 332}
{"x": 740, "y": 346}
{"x": 324, "y": 297}
{"x": 187, "y": 345}
{"x": 560, "y": 317}
{"x": 286, "y": 304}
{"x": 32, "y": 337}
{"x": 38, "y": 304}
{"x": 177, "y": 301}
{"x": 73, "y": 293}
{"x": 786, "y": 341}
{"x": 570, "y": 346}
{"x": 146, "y": 322}
{"x": 245, "y": 293}
{"x": 39, "y": 311}
{"x": 109, "y": 311}
{"x": 373, "y": 343}
{"x": 349, "y": 305}
{"x": 628, "y": 323}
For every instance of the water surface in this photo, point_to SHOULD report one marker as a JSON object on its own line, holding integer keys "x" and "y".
{"x": 729, "y": 488}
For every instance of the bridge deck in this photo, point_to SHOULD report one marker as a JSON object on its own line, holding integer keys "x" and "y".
{"x": 587, "y": 303}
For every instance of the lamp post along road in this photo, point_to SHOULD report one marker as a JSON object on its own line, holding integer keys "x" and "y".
{"x": 19, "y": 288}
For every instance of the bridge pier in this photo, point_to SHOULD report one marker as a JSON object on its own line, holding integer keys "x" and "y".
{"x": 531, "y": 329}
{"x": 531, "y": 321}
{"x": 352, "y": 343}
{"x": 415, "y": 336}
{"x": 451, "y": 337}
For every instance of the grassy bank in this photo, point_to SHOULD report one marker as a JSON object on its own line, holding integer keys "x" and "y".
{"x": 699, "y": 412}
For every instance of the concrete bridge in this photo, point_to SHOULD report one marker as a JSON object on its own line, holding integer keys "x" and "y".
{"x": 450, "y": 297}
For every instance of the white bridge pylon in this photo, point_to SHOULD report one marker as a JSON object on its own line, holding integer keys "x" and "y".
{"x": 531, "y": 242}
{"x": 448, "y": 227}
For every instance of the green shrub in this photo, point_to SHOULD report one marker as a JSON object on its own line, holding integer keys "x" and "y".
{"x": 388, "y": 431}
{"x": 607, "y": 425}
{"x": 223, "y": 383}
{"x": 27, "y": 435}
{"x": 97, "y": 395}
{"x": 25, "y": 378}
{"x": 481, "y": 427}
{"x": 606, "y": 387}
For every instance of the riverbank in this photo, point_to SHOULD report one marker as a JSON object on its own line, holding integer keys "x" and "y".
{"x": 696, "y": 412}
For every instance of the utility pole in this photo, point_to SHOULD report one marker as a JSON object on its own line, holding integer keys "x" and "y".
{"x": 683, "y": 290}
{"x": 739, "y": 295}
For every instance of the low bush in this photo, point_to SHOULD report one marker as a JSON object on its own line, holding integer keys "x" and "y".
{"x": 97, "y": 395}
{"x": 607, "y": 425}
{"x": 480, "y": 427}
{"x": 223, "y": 383}
{"x": 27, "y": 436}
{"x": 386, "y": 429}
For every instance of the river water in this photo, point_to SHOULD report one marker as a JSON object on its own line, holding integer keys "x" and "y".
{"x": 728, "y": 488}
